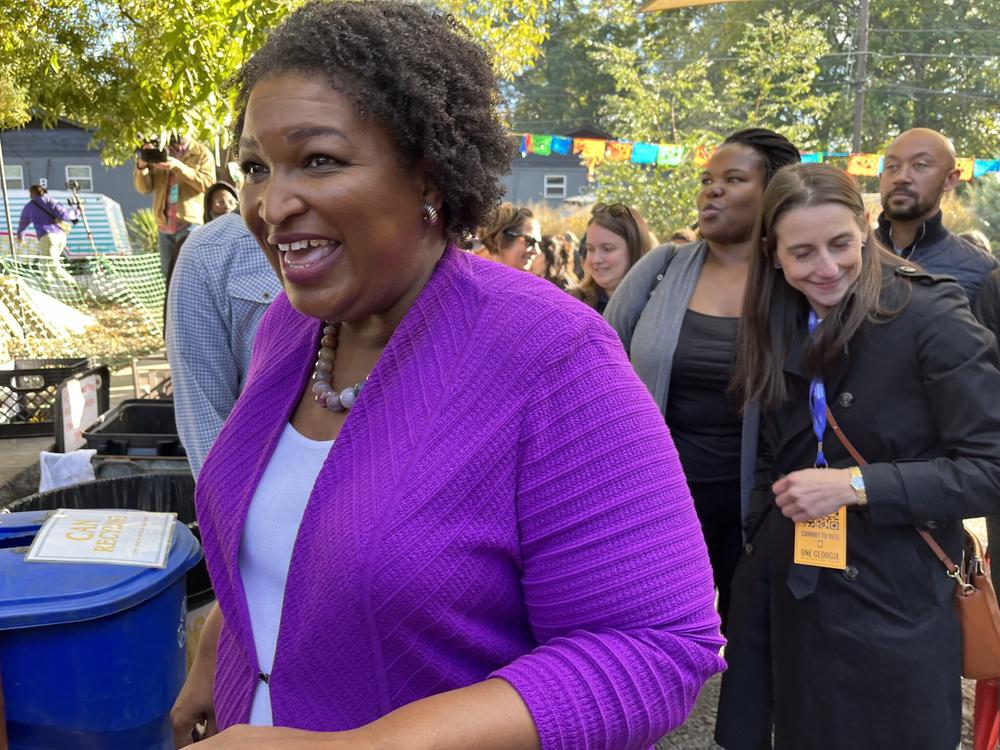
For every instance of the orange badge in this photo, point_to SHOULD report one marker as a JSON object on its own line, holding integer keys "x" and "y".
{"x": 823, "y": 541}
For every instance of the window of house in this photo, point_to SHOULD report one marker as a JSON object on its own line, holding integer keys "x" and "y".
{"x": 82, "y": 174}
{"x": 555, "y": 186}
{"x": 15, "y": 176}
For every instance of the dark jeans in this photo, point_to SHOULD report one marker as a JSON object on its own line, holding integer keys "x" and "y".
{"x": 170, "y": 247}
{"x": 718, "y": 508}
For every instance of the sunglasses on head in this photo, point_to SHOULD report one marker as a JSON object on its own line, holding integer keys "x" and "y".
{"x": 612, "y": 209}
{"x": 528, "y": 239}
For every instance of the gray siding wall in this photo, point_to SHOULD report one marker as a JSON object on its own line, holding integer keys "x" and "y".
{"x": 45, "y": 153}
{"x": 526, "y": 181}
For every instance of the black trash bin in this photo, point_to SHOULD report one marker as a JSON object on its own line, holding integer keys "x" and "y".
{"x": 136, "y": 427}
{"x": 161, "y": 493}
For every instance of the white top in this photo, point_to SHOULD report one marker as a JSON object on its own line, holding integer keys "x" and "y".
{"x": 266, "y": 548}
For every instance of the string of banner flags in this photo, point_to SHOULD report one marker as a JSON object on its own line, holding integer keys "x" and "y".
{"x": 593, "y": 150}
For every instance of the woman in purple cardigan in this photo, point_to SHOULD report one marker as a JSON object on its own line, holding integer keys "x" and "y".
{"x": 464, "y": 524}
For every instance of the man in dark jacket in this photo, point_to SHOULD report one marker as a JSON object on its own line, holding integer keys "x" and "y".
{"x": 987, "y": 309}
{"x": 919, "y": 168}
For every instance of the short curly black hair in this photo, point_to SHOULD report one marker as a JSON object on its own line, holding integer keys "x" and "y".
{"x": 417, "y": 73}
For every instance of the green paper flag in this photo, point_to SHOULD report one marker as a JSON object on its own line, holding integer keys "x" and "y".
{"x": 671, "y": 154}
{"x": 541, "y": 145}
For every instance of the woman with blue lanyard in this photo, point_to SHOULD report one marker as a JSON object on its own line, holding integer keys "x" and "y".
{"x": 842, "y": 630}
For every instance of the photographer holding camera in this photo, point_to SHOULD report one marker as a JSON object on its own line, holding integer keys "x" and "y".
{"x": 178, "y": 178}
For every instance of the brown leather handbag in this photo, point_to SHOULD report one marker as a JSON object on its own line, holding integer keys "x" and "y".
{"x": 975, "y": 599}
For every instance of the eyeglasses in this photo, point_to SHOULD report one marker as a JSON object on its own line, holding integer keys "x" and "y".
{"x": 530, "y": 241}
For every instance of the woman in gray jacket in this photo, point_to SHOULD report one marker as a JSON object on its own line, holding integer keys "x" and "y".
{"x": 678, "y": 313}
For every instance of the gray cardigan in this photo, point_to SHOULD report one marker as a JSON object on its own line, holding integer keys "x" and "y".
{"x": 650, "y": 324}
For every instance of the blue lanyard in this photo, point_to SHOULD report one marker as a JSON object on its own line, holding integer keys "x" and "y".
{"x": 817, "y": 404}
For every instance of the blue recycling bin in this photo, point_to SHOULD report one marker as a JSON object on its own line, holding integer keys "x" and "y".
{"x": 91, "y": 655}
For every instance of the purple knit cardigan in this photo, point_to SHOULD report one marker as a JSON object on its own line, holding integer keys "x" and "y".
{"x": 504, "y": 500}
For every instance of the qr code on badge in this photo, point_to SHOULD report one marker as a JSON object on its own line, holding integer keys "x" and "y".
{"x": 827, "y": 523}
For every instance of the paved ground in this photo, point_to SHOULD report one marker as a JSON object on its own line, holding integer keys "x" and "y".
{"x": 20, "y": 456}
{"x": 696, "y": 734}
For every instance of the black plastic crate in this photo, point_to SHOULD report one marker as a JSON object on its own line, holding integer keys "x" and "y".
{"x": 136, "y": 427}
{"x": 28, "y": 394}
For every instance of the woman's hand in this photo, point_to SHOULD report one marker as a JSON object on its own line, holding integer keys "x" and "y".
{"x": 813, "y": 493}
{"x": 242, "y": 736}
{"x": 194, "y": 705}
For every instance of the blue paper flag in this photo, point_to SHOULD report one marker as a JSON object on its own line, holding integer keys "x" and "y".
{"x": 645, "y": 153}
{"x": 985, "y": 166}
{"x": 562, "y": 145}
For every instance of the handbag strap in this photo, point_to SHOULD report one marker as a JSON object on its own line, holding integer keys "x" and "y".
{"x": 953, "y": 570}
{"x": 46, "y": 210}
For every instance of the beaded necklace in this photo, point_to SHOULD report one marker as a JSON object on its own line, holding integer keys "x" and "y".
{"x": 323, "y": 390}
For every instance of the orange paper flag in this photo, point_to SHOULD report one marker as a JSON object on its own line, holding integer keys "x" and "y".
{"x": 619, "y": 151}
{"x": 966, "y": 166}
{"x": 864, "y": 165}
{"x": 590, "y": 149}
{"x": 702, "y": 154}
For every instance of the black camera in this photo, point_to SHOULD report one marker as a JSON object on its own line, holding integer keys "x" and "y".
{"x": 151, "y": 154}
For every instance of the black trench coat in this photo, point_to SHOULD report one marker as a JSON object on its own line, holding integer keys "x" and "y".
{"x": 869, "y": 657}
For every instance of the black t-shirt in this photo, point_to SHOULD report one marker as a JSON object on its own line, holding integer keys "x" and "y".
{"x": 703, "y": 418}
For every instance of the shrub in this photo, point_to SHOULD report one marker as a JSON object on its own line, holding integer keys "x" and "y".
{"x": 142, "y": 231}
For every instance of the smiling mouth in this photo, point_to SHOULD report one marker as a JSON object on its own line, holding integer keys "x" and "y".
{"x": 306, "y": 253}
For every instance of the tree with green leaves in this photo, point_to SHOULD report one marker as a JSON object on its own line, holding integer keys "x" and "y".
{"x": 768, "y": 86}
{"x": 986, "y": 201}
{"x": 132, "y": 67}
{"x": 930, "y": 63}
{"x": 565, "y": 89}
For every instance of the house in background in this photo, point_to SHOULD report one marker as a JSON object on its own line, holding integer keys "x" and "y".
{"x": 552, "y": 179}
{"x": 61, "y": 154}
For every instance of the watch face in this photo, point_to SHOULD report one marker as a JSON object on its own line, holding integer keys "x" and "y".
{"x": 858, "y": 483}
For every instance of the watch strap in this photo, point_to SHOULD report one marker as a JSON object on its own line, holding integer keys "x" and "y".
{"x": 939, "y": 553}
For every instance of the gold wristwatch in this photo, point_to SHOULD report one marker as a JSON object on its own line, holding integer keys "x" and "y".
{"x": 858, "y": 485}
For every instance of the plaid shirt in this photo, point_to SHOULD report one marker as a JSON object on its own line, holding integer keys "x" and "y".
{"x": 221, "y": 286}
